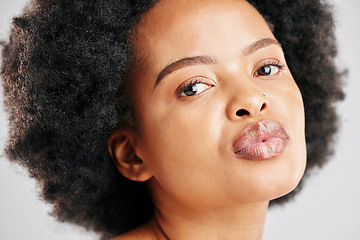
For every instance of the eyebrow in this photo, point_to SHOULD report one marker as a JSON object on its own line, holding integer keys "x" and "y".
{"x": 262, "y": 43}
{"x": 182, "y": 63}
{"x": 207, "y": 60}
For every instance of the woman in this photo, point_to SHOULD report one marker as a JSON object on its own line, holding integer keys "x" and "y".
{"x": 209, "y": 123}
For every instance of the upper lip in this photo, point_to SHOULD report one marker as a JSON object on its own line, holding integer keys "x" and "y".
{"x": 259, "y": 132}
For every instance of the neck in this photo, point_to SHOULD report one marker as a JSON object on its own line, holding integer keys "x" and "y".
{"x": 241, "y": 222}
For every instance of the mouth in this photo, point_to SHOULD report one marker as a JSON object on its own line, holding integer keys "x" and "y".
{"x": 261, "y": 140}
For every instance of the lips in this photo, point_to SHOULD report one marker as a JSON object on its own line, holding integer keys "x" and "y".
{"x": 261, "y": 140}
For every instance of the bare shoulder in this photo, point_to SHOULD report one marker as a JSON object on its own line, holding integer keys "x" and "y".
{"x": 142, "y": 232}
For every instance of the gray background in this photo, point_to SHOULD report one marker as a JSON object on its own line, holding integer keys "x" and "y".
{"x": 327, "y": 208}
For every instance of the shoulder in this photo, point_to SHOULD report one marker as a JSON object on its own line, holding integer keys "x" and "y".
{"x": 144, "y": 232}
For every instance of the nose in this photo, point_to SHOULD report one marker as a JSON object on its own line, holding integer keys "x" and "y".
{"x": 246, "y": 100}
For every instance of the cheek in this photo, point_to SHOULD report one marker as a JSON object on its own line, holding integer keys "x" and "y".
{"x": 287, "y": 103}
{"x": 181, "y": 146}
{"x": 181, "y": 136}
{"x": 297, "y": 120}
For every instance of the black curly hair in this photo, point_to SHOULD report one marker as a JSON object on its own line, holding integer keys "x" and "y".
{"x": 63, "y": 74}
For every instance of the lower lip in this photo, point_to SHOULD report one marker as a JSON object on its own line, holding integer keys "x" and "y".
{"x": 265, "y": 149}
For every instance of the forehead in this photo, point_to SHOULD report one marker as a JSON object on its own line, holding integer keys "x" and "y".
{"x": 175, "y": 29}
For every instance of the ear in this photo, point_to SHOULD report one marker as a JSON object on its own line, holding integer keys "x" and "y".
{"x": 121, "y": 145}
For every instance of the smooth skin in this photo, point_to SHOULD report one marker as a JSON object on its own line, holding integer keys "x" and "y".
{"x": 198, "y": 64}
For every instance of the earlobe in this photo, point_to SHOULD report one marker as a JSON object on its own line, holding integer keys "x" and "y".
{"x": 121, "y": 146}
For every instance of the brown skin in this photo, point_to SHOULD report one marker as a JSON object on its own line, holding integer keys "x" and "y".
{"x": 184, "y": 145}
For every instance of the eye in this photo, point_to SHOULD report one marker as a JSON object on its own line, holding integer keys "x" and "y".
{"x": 269, "y": 69}
{"x": 192, "y": 88}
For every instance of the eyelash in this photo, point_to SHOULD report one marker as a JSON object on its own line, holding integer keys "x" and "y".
{"x": 272, "y": 62}
{"x": 193, "y": 82}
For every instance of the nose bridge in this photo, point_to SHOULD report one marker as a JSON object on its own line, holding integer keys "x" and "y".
{"x": 246, "y": 98}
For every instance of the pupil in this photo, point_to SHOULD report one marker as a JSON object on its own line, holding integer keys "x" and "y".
{"x": 265, "y": 70}
{"x": 190, "y": 90}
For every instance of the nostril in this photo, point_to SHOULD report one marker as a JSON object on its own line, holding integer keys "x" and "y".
{"x": 242, "y": 112}
{"x": 263, "y": 106}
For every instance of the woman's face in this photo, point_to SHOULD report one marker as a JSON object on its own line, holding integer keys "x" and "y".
{"x": 221, "y": 119}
